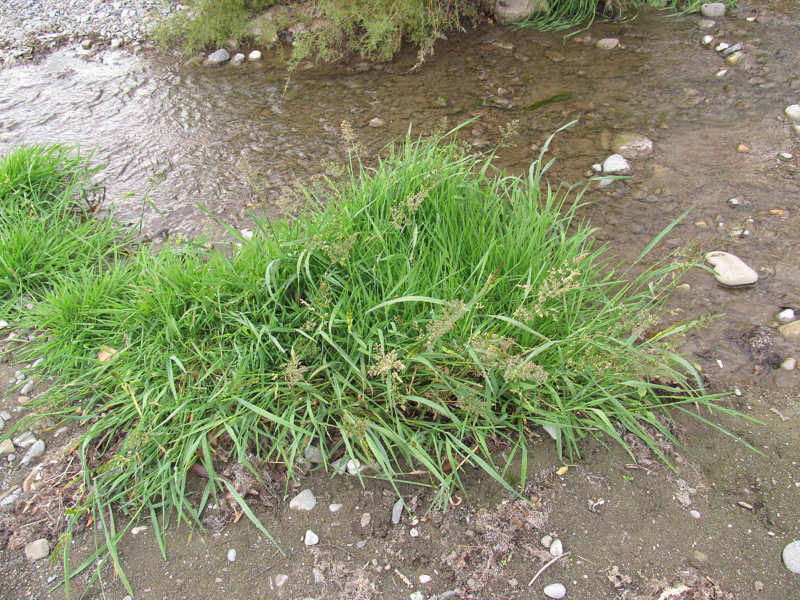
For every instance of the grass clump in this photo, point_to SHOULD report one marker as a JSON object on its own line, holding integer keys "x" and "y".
{"x": 411, "y": 316}
{"x": 563, "y": 14}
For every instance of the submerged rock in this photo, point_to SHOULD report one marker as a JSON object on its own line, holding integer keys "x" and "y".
{"x": 731, "y": 270}
{"x": 793, "y": 112}
{"x": 790, "y": 331}
{"x": 607, "y": 43}
{"x": 218, "y": 58}
{"x": 632, "y": 145}
{"x": 238, "y": 59}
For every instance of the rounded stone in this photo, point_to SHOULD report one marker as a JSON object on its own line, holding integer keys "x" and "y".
{"x": 607, "y": 43}
{"x": 377, "y": 122}
{"x": 632, "y": 145}
{"x": 255, "y": 55}
{"x": 695, "y": 514}
{"x": 713, "y": 10}
{"x": 790, "y": 331}
{"x": 556, "y": 548}
{"x": 793, "y": 112}
{"x": 555, "y": 590}
{"x": 311, "y": 539}
{"x": 218, "y": 58}
{"x": 791, "y": 557}
{"x": 231, "y": 555}
{"x": 547, "y": 541}
{"x": 616, "y": 165}
{"x": 706, "y": 23}
{"x": 237, "y": 59}
{"x": 790, "y": 364}
{"x": 37, "y": 549}
{"x": 730, "y": 270}
{"x": 786, "y": 315}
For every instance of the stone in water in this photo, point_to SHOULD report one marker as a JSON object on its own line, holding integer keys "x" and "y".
{"x": 632, "y": 145}
{"x": 555, "y": 590}
{"x": 607, "y": 43}
{"x": 730, "y": 270}
{"x": 616, "y": 165}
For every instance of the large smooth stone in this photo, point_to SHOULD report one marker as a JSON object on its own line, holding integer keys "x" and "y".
{"x": 731, "y": 270}
{"x": 632, "y": 145}
{"x": 303, "y": 501}
{"x": 790, "y": 331}
{"x": 218, "y": 58}
{"x": 37, "y": 550}
{"x": 616, "y": 165}
{"x": 791, "y": 557}
{"x": 713, "y": 10}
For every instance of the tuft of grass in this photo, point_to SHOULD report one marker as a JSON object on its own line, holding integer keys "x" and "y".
{"x": 409, "y": 317}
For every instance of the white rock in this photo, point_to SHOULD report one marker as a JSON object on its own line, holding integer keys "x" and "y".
{"x": 790, "y": 364}
{"x": 377, "y": 122}
{"x": 281, "y": 579}
{"x": 417, "y": 596}
{"x": 695, "y": 514}
{"x": 786, "y": 315}
{"x": 116, "y": 43}
{"x": 335, "y": 507}
{"x": 311, "y": 539}
{"x": 34, "y": 451}
{"x": 397, "y": 511}
{"x": 597, "y": 168}
{"x": 713, "y": 10}
{"x": 791, "y": 557}
{"x": 314, "y": 454}
{"x": 365, "y": 519}
{"x": 37, "y": 549}
{"x": 237, "y": 59}
{"x": 255, "y": 55}
{"x": 721, "y": 73}
{"x": 547, "y": 541}
{"x": 25, "y": 440}
{"x": 303, "y": 501}
{"x": 138, "y": 530}
{"x": 607, "y": 43}
{"x": 730, "y": 270}
{"x": 231, "y": 555}
{"x": 616, "y": 165}
{"x": 793, "y": 112}
{"x": 555, "y": 590}
{"x": 86, "y": 44}
{"x": 722, "y": 46}
{"x": 707, "y": 39}
{"x": 552, "y": 431}
{"x": 27, "y": 388}
{"x": 786, "y": 156}
{"x": 354, "y": 466}
{"x": 5, "y": 415}
{"x": 424, "y": 578}
{"x": 556, "y": 548}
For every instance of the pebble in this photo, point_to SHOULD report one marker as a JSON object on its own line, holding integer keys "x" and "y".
{"x": 319, "y": 576}
{"x": 607, "y": 43}
{"x": 721, "y": 46}
{"x": 5, "y": 415}
{"x": 27, "y": 388}
{"x": 335, "y": 507}
{"x": 786, "y": 156}
{"x": 786, "y": 315}
{"x": 556, "y": 548}
{"x": 707, "y": 39}
{"x": 713, "y": 10}
{"x": 37, "y": 549}
{"x": 790, "y": 331}
{"x": 730, "y": 270}
{"x": 86, "y": 44}
{"x": 793, "y": 112}
{"x": 313, "y": 454}
{"x": 424, "y": 579}
{"x": 116, "y": 43}
{"x": 555, "y": 590}
{"x": 361, "y": 544}
{"x": 414, "y": 532}
{"x": 35, "y": 451}
{"x": 616, "y": 165}
{"x": 556, "y": 57}
{"x": 365, "y": 519}
{"x": 791, "y": 557}
{"x": 377, "y": 122}
{"x": 695, "y": 514}
{"x": 547, "y": 541}
{"x": 23, "y": 400}
{"x": 417, "y": 596}
{"x": 231, "y": 555}
{"x": 354, "y": 466}
{"x": 218, "y": 58}
{"x": 632, "y": 145}
{"x": 790, "y": 364}
{"x": 303, "y": 501}
{"x": 3, "y": 324}
{"x": 551, "y": 431}
{"x": 255, "y": 55}
{"x": 397, "y": 511}
{"x": 311, "y": 539}
{"x": 138, "y": 530}
{"x": 280, "y": 580}
{"x": 706, "y": 23}
{"x": 735, "y": 202}
{"x": 25, "y": 440}
{"x": 238, "y": 59}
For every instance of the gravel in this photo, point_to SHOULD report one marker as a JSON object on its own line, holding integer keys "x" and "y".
{"x": 31, "y": 27}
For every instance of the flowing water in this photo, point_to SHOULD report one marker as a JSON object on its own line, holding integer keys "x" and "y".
{"x": 176, "y": 135}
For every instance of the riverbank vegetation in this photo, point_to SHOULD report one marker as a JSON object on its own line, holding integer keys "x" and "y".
{"x": 372, "y": 29}
{"x": 412, "y": 318}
